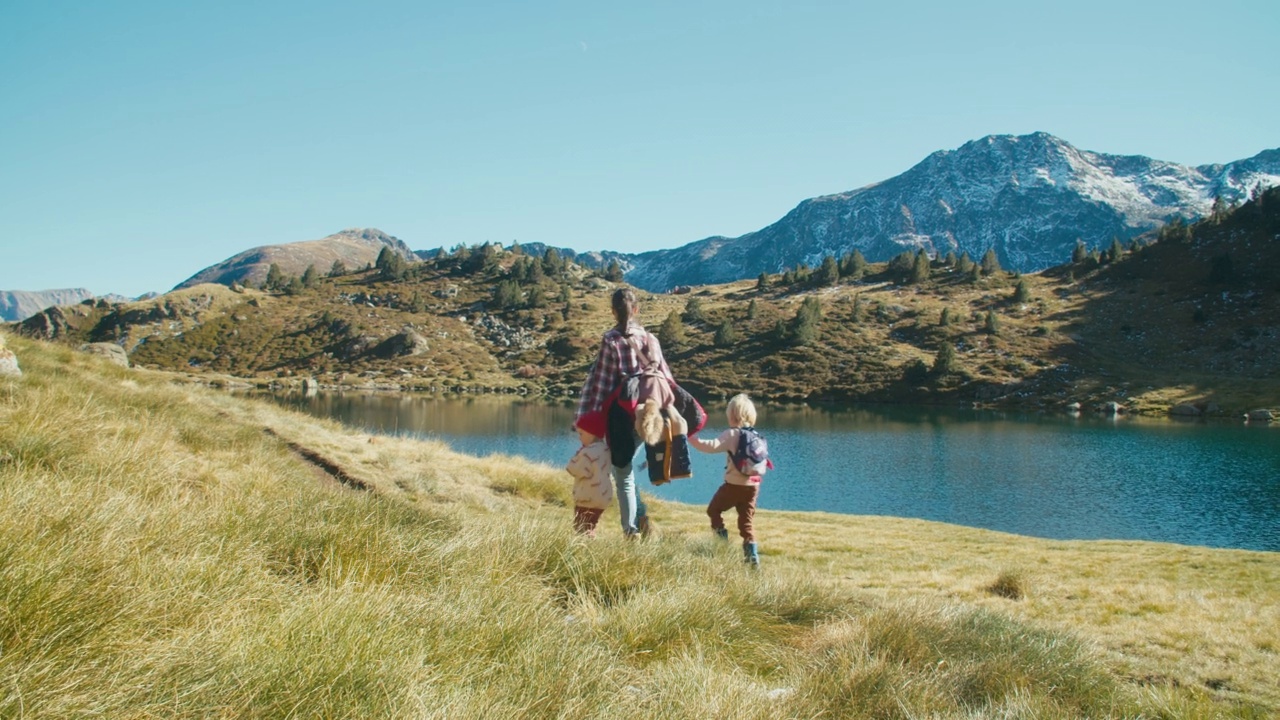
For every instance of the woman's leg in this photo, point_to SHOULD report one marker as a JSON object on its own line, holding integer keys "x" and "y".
{"x": 622, "y": 446}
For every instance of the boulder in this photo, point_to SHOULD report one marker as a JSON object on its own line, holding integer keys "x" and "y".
{"x": 110, "y": 351}
{"x": 1264, "y": 416}
{"x": 407, "y": 342}
{"x": 1110, "y": 408}
{"x": 1074, "y": 408}
{"x": 310, "y": 384}
{"x": 1185, "y": 410}
{"x": 8, "y": 361}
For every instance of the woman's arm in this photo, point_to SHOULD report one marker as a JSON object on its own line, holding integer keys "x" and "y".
{"x": 600, "y": 380}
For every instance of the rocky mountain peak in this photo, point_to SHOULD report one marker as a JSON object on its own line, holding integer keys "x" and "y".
{"x": 1028, "y": 197}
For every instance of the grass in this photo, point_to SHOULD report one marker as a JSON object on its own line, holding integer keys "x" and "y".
{"x": 162, "y": 555}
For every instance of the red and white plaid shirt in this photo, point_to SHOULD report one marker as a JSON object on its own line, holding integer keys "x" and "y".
{"x": 617, "y": 360}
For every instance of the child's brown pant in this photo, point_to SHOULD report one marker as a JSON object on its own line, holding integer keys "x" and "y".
{"x": 585, "y": 519}
{"x": 741, "y": 497}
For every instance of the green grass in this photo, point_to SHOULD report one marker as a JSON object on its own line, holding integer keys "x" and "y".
{"x": 162, "y": 556}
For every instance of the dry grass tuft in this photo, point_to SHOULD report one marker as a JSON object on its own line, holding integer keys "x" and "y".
{"x": 1010, "y": 584}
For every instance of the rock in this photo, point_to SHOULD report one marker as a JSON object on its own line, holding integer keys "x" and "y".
{"x": 1110, "y": 408}
{"x": 1185, "y": 410}
{"x": 1074, "y": 408}
{"x": 1264, "y": 416}
{"x": 110, "y": 351}
{"x": 407, "y": 342}
{"x": 8, "y": 361}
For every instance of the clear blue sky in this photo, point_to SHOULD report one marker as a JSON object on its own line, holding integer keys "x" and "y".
{"x": 142, "y": 141}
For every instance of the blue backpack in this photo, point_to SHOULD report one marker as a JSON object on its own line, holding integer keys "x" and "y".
{"x": 751, "y": 457}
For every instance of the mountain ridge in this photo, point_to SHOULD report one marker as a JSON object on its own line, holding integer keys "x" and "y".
{"x": 1028, "y": 197}
{"x": 354, "y": 247}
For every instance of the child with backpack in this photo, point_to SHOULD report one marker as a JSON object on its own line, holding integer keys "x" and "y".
{"x": 747, "y": 462}
{"x": 592, "y": 483}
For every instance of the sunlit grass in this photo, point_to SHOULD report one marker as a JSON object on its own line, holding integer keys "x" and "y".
{"x": 162, "y": 555}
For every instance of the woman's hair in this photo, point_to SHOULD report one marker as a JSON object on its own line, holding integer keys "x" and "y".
{"x": 741, "y": 410}
{"x": 624, "y": 306}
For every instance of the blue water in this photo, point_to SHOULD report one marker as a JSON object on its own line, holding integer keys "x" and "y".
{"x": 1212, "y": 484}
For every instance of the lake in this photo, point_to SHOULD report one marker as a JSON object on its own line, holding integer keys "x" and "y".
{"x": 1215, "y": 484}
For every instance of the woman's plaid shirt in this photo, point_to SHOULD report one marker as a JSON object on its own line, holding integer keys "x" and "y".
{"x": 616, "y": 361}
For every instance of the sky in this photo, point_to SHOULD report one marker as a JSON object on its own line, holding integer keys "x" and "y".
{"x": 143, "y": 141}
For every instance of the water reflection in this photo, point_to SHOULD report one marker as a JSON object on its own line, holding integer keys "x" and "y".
{"x": 1047, "y": 476}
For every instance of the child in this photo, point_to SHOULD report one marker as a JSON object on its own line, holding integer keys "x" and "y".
{"x": 593, "y": 485}
{"x": 740, "y": 488}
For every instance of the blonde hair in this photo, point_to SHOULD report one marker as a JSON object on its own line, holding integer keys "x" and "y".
{"x": 741, "y": 410}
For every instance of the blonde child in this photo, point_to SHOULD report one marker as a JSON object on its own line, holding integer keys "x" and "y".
{"x": 592, "y": 483}
{"x": 741, "y": 487}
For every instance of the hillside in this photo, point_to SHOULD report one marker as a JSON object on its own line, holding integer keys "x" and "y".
{"x": 1186, "y": 316}
{"x": 170, "y": 551}
{"x": 355, "y": 248}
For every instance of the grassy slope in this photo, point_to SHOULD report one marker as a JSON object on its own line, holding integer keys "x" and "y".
{"x": 162, "y": 554}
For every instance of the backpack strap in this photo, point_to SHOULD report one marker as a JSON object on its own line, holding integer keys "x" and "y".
{"x": 648, "y": 366}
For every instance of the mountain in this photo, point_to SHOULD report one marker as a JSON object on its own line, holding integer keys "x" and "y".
{"x": 1187, "y": 315}
{"x": 1029, "y": 197}
{"x": 18, "y": 305}
{"x": 355, "y": 247}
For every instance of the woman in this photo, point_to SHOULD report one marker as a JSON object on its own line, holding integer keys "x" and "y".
{"x": 623, "y": 353}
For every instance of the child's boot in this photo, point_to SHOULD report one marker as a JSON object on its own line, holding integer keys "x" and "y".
{"x": 750, "y": 555}
{"x": 721, "y": 533}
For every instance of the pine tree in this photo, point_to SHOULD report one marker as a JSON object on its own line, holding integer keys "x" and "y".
{"x": 1021, "y": 293}
{"x": 390, "y": 265}
{"x": 310, "y": 277}
{"x": 900, "y": 265}
{"x": 752, "y": 312}
{"x": 552, "y": 263}
{"x": 990, "y": 263}
{"x": 536, "y": 299}
{"x": 945, "y": 361}
{"x": 338, "y": 269}
{"x": 804, "y": 326}
{"x": 417, "y": 303}
{"x": 275, "y": 278}
{"x": 919, "y": 268}
{"x": 1218, "y": 210}
{"x": 614, "y": 272}
{"x": 693, "y": 311}
{"x": 506, "y": 294}
{"x": 672, "y": 333}
{"x": 1116, "y": 251}
{"x": 726, "y": 335}
{"x": 853, "y": 265}
{"x": 829, "y": 273}
{"x": 964, "y": 264}
{"x": 1080, "y": 252}
{"x": 293, "y": 286}
{"x": 762, "y": 282}
{"x": 992, "y": 323}
{"x": 945, "y": 319}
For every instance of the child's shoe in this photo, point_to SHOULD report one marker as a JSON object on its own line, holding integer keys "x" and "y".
{"x": 750, "y": 555}
{"x": 721, "y": 533}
